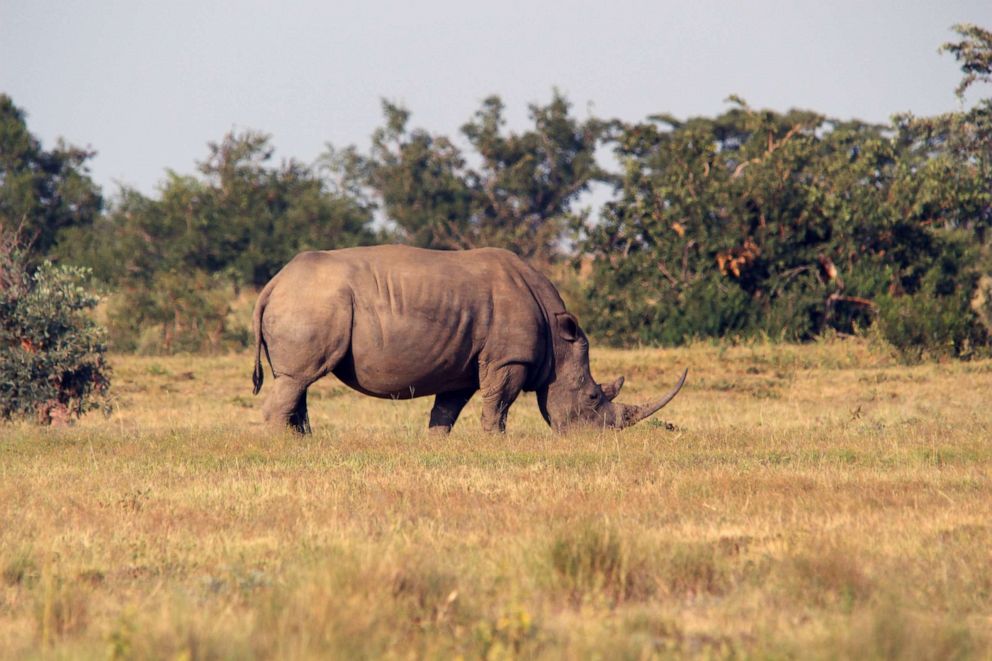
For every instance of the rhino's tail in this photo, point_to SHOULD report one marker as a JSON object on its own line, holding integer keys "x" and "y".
{"x": 259, "y": 374}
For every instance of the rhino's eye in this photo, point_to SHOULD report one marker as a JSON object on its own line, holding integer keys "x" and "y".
{"x": 593, "y": 396}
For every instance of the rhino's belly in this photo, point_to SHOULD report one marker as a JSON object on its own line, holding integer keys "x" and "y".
{"x": 412, "y": 359}
{"x": 390, "y": 384}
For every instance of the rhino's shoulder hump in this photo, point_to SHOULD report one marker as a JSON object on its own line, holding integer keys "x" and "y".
{"x": 500, "y": 254}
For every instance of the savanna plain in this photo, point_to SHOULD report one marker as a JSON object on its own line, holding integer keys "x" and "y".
{"x": 815, "y": 501}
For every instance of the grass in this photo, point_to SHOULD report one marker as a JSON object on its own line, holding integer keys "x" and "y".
{"x": 819, "y": 501}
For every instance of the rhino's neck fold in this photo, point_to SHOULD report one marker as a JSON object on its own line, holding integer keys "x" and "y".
{"x": 549, "y": 302}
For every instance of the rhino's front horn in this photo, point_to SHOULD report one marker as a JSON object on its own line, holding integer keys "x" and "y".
{"x": 631, "y": 415}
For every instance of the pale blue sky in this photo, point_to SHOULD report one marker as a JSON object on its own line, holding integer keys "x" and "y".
{"x": 148, "y": 84}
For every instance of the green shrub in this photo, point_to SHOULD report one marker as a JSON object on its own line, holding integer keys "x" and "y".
{"x": 175, "y": 312}
{"x": 922, "y": 325}
{"x": 940, "y": 318}
{"x": 52, "y": 364}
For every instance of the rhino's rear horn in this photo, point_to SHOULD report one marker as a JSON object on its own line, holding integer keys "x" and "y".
{"x": 631, "y": 415}
{"x": 611, "y": 390}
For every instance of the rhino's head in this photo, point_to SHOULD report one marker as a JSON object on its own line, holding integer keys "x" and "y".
{"x": 572, "y": 398}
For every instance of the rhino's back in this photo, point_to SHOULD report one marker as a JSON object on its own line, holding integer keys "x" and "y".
{"x": 423, "y": 319}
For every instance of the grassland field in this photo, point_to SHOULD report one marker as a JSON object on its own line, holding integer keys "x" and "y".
{"x": 818, "y": 501}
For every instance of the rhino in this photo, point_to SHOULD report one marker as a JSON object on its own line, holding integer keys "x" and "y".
{"x": 398, "y": 322}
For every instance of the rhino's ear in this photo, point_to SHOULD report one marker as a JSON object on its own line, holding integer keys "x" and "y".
{"x": 568, "y": 326}
{"x": 611, "y": 390}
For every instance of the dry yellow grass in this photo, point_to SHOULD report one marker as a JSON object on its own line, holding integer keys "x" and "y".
{"x": 815, "y": 501}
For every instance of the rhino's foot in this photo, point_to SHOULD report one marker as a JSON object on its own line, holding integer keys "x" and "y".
{"x": 286, "y": 405}
{"x": 301, "y": 423}
{"x": 447, "y": 407}
{"x": 494, "y": 427}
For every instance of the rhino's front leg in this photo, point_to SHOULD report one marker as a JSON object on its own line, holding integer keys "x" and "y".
{"x": 500, "y": 387}
{"x": 447, "y": 407}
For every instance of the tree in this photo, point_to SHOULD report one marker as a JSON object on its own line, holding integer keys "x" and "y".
{"x": 944, "y": 188}
{"x": 242, "y": 218}
{"x": 420, "y": 180}
{"x": 175, "y": 259}
{"x": 42, "y": 192}
{"x": 527, "y": 183}
{"x": 786, "y": 224}
{"x": 513, "y": 190}
{"x": 247, "y": 218}
{"x": 791, "y": 224}
{"x": 974, "y": 52}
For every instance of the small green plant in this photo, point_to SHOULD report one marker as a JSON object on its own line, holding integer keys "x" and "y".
{"x": 830, "y": 576}
{"x": 62, "y": 608}
{"x": 120, "y": 640}
{"x": 511, "y": 634}
{"x": 52, "y": 364}
{"x": 693, "y": 568}
{"x": 593, "y": 559}
{"x": 20, "y": 569}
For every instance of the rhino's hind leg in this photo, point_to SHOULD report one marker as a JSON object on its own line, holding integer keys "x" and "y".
{"x": 286, "y": 405}
{"x": 300, "y": 419}
{"x": 447, "y": 407}
{"x": 500, "y": 387}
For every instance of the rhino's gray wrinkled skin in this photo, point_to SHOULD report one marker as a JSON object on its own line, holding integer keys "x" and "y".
{"x": 401, "y": 322}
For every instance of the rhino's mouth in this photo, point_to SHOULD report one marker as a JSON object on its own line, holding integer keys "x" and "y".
{"x": 595, "y": 414}
{"x": 606, "y": 414}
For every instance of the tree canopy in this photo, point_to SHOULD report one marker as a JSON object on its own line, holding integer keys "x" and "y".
{"x": 787, "y": 224}
{"x": 510, "y": 190}
{"x": 42, "y": 192}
